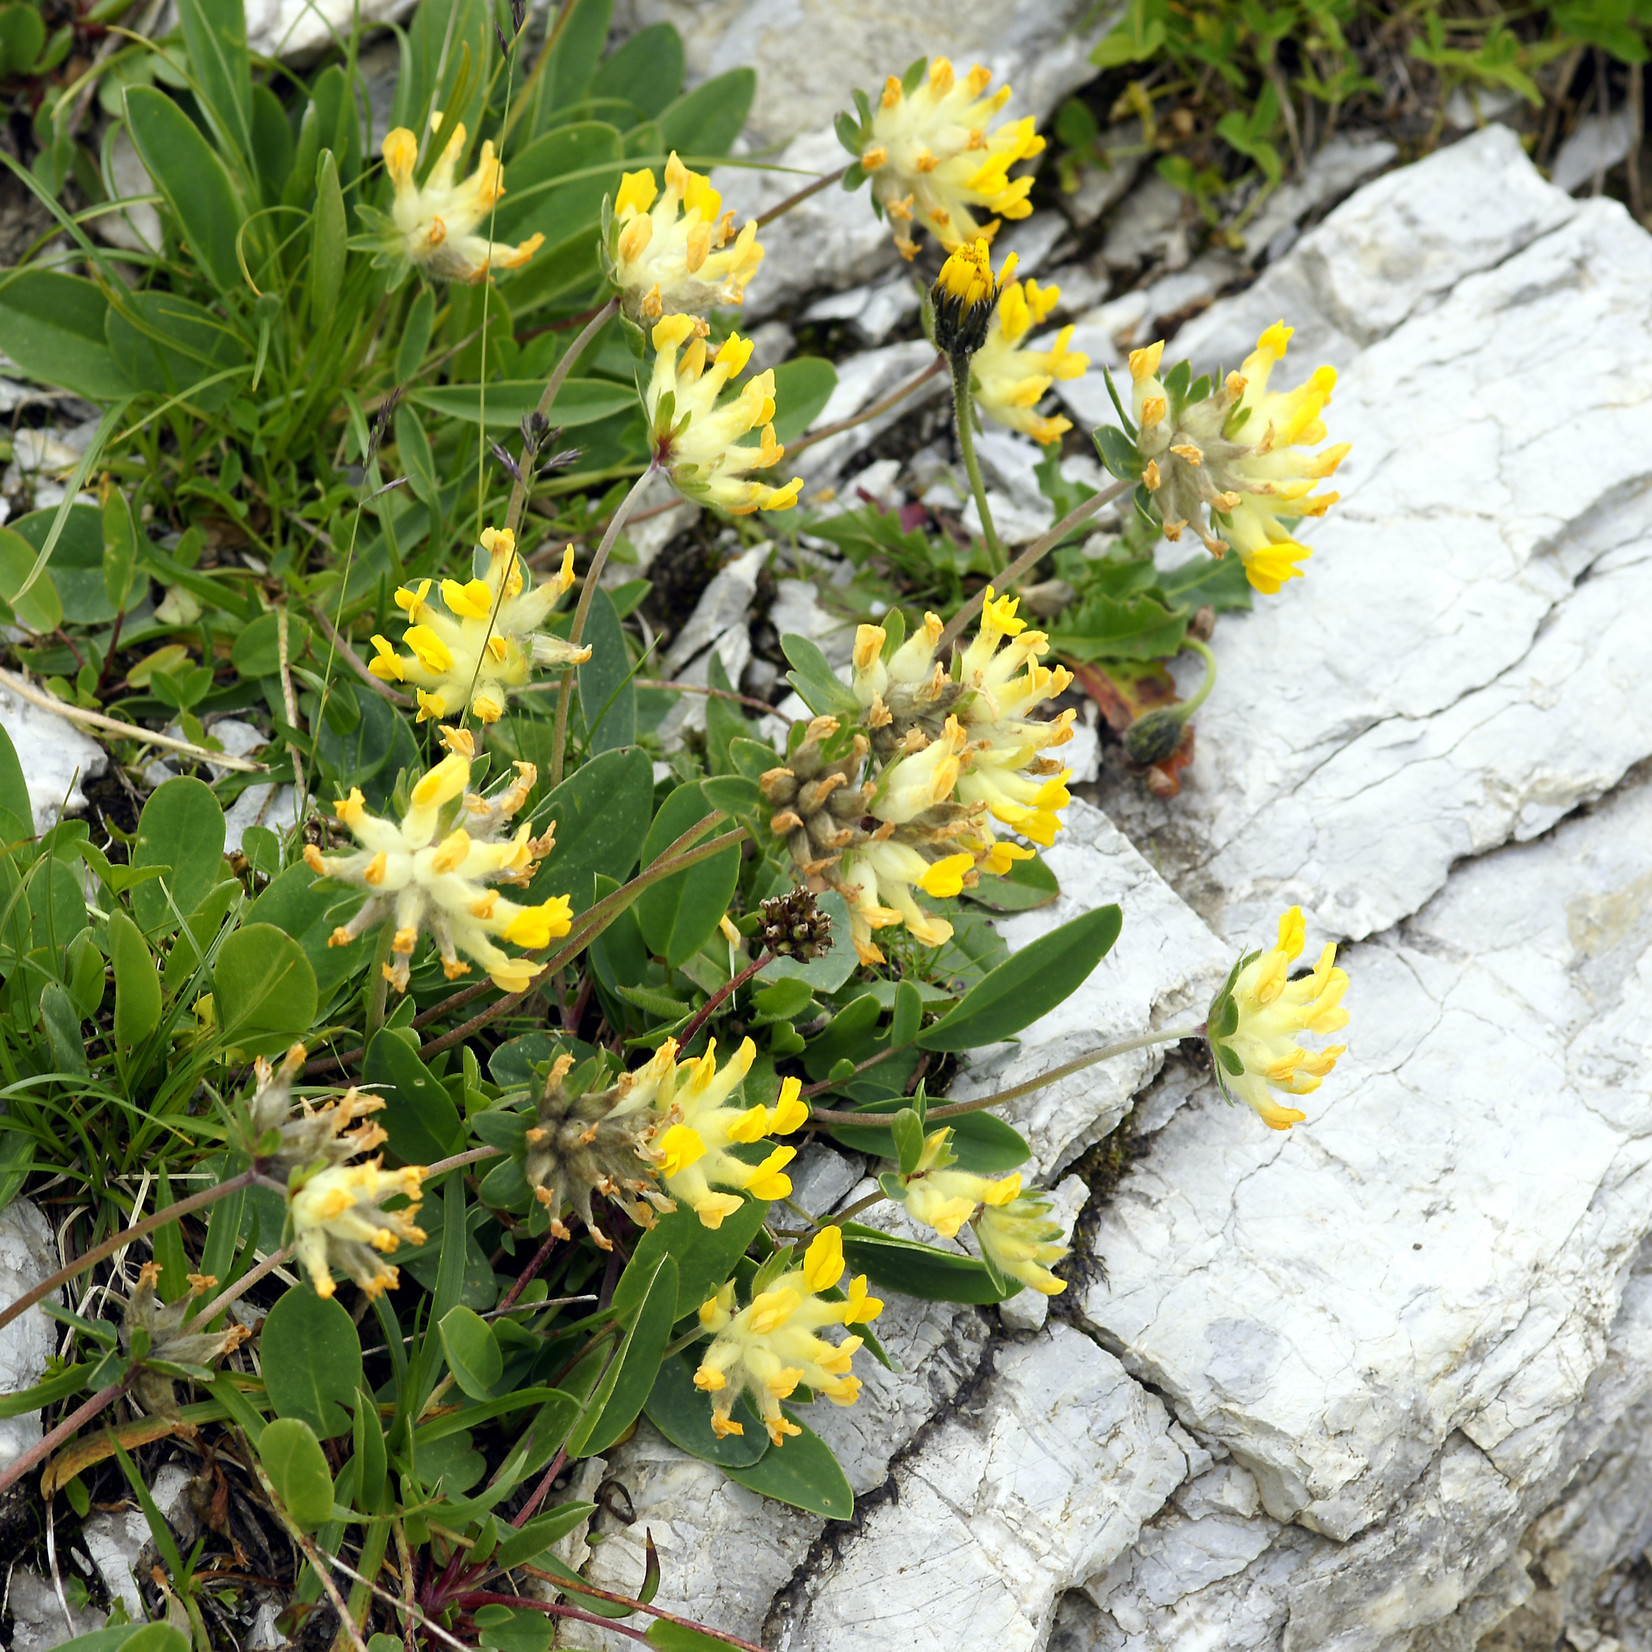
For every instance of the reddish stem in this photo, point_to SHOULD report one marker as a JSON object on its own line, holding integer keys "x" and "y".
{"x": 720, "y": 995}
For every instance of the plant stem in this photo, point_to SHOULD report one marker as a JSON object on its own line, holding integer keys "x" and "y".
{"x": 245, "y": 1283}
{"x": 963, "y": 407}
{"x": 800, "y": 196}
{"x": 714, "y": 693}
{"x": 523, "y": 1279}
{"x": 519, "y": 489}
{"x": 355, "y": 662}
{"x": 730, "y": 986}
{"x": 1025, "y": 561}
{"x": 378, "y": 983}
{"x": 474, "y": 1155}
{"x": 587, "y": 593}
{"x": 958, "y": 1109}
{"x": 894, "y": 398}
{"x": 47, "y": 1444}
{"x": 172, "y": 1213}
{"x": 1189, "y": 706}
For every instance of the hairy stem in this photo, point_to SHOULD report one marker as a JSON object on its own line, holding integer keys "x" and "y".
{"x": 867, "y": 414}
{"x": 963, "y": 407}
{"x": 708, "y": 1008}
{"x": 801, "y": 195}
{"x": 65, "y": 1430}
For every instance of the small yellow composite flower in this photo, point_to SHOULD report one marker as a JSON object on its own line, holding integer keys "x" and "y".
{"x": 1256, "y": 1017}
{"x": 695, "y": 1156}
{"x": 1240, "y": 454}
{"x": 1009, "y": 381}
{"x": 965, "y": 296}
{"x": 935, "y": 159}
{"x": 338, "y": 1222}
{"x": 434, "y": 870}
{"x": 485, "y": 639}
{"x": 696, "y": 441}
{"x": 435, "y": 226}
{"x": 671, "y": 253}
{"x": 771, "y": 1345}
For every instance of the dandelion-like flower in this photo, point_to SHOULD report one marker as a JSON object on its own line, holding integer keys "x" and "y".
{"x": 434, "y": 869}
{"x": 1240, "y": 455}
{"x": 1256, "y": 1017}
{"x": 434, "y": 226}
{"x": 1009, "y": 381}
{"x": 696, "y": 441}
{"x": 154, "y": 1333}
{"x": 338, "y": 1222}
{"x": 670, "y": 252}
{"x": 696, "y": 1156}
{"x": 935, "y": 159}
{"x": 485, "y": 639}
{"x": 965, "y": 297}
{"x": 770, "y": 1346}
{"x": 597, "y": 1141}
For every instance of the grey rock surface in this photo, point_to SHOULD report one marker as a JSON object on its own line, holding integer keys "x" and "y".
{"x": 28, "y": 1254}
{"x": 55, "y": 758}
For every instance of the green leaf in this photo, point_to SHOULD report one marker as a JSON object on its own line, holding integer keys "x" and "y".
{"x": 40, "y": 609}
{"x": 52, "y": 326}
{"x": 473, "y": 1354}
{"x": 908, "y": 1133}
{"x": 822, "y": 690}
{"x": 802, "y": 1472}
{"x": 137, "y": 981}
{"x": 192, "y": 179}
{"x": 1029, "y": 984}
{"x": 705, "y": 1257}
{"x": 308, "y": 908}
{"x": 61, "y": 1018}
{"x": 1220, "y": 582}
{"x": 77, "y": 560}
{"x": 682, "y": 1413}
{"x": 679, "y": 914}
{"x": 272, "y": 143}
{"x": 170, "y": 346}
{"x": 419, "y": 1115}
{"x": 919, "y": 1270}
{"x": 1027, "y": 885}
{"x": 297, "y": 1467}
{"x": 371, "y": 1452}
{"x": 984, "y": 1144}
{"x": 329, "y": 231}
{"x": 22, "y": 34}
{"x": 578, "y": 402}
{"x": 607, "y": 696}
{"x": 14, "y": 789}
{"x": 215, "y": 32}
{"x": 559, "y": 180}
{"x": 256, "y": 652}
{"x": 310, "y": 1351}
{"x": 600, "y": 812}
{"x": 1118, "y": 452}
{"x": 646, "y": 71}
{"x": 120, "y": 549}
{"x": 582, "y": 31}
{"x": 703, "y": 124}
{"x": 678, "y": 1637}
{"x": 182, "y": 829}
{"x": 264, "y": 989}
{"x": 802, "y": 387}
{"x": 538, "y": 1534}
{"x": 639, "y": 1358}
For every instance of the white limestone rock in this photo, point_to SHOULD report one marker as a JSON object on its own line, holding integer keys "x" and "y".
{"x": 298, "y": 30}
{"x": 119, "y": 1542}
{"x": 1596, "y": 144}
{"x": 1162, "y": 970}
{"x": 55, "y": 758}
{"x": 38, "y": 1618}
{"x": 28, "y": 1254}
{"x": 1038, "y": 1481}
{"x": 1345, "y": 160}
{"x": 862, "y": 380}
{"x": 1474, "y": 610}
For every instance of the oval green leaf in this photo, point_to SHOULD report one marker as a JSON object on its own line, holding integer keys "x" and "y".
{"x": 311, "y": 1355}
{"x": 297, "y": 1467}
{"x": 264, "y": 989}
{"x": 679, "y": 914}
{"x": 473, "y": 1355}
{"x": 802, "y": 1472}
{"x": 137, "y": 981}
{"x": 182, "y": 829}
{"x": 419, "y": 1115}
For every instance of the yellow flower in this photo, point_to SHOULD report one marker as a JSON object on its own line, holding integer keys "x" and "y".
{"x": 485, "y": 639}
{"x": 434, "y": 869}
{"x": 338, "y": 1223}
{"x": 313, "y": 1137}
{"x": 770, "y": 1346}
{"x": 434, "y": 226}
{"x": 1239, "y": 454}
{"x": 943, "y": 1198}
{"x": 1255, "y": 1019}
{"x": 695, "y": 440}
{"x": 877, "y": 879}
{"x": 932, "y": 157}
{"x": 702, "y": 1127}
{"x": 1008, "y": 381}
{"x": 964, "y": 296}
{"x": 1020, "y": 1240}
{"x": 671, "y": 253}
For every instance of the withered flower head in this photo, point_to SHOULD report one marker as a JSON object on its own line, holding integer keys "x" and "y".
{"x": 313, "y": 1137}
{"x": 795, "y": 927}
{"x": 153, "y": 1333}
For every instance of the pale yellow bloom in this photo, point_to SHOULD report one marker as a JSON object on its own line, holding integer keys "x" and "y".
{"x": 1241, "y": 456}
{"x": 434, "y": 870}
{"x": 484, "y": 640}
{"x": 1257, "y": 1016}
{"x": 338, "y": 1222}
{"x": 696, "y": 441}
{"x": 770, "y": 1346}
{"x": 435, "y": 225}
{"x": 1009, "y": 381}
{"x": 701, "y": 1126}
{"x": 671, "y": 253}
{"x": 1021, "y": 1241}
{"x": 934, "y": 157}
{"x": 943, "y": 1198}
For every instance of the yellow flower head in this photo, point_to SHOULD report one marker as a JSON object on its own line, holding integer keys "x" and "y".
{"x": 337, "y": 1222}
{"x": 964, "y": 296}
{"x": 696, "y": 441}
{"x": 435, "y": 870}
{"x": 1256, "y": 1017}
{"x": 484, "y": 640}
{"x": 770, "y": 1346}
{"x": 1240, "y": 455}
{"x": 1021, "y": 1241}
{"x": 701, "y": 1127}
{"x": 1009, "y": 381}
{"x": 933, "y": 157}
{"x": 671, "y": 252}
{"x": 435, "y": 226}
{"x": 943, "y": 1198}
